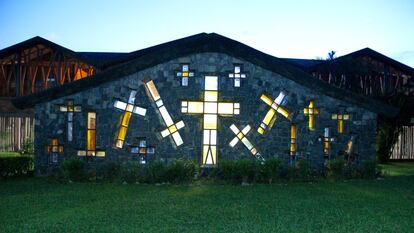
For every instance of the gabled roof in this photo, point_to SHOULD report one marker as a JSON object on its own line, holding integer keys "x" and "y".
{"x": 37, "y": 40}
{"x": 303, "y": 63}
{"x": 369, "y": 53}
{"x": 200, "y": 43}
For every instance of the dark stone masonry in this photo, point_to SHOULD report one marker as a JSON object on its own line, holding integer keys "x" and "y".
{"x": 139, "y": 107}
{"x": 51, "y": 123}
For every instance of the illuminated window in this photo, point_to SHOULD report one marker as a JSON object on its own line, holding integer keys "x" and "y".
{"x": 237, "y": 75}
{"x": 276, "y": 107}
{"x": 341, "y": 117}
{"x": 241, "y": 136}
{"x": 69, "y": 108}
{"x": 142, "y": 150}
{"x": 185, "y": 73}
{"x": 172, "y": 128}
{"x": 54, "y": 149}
{"x": 311, "y": 111}
{"x": 127, "y": 108}
{"x": 91, "y": 138}
{"x": 292, "y": 140}
{"x": 210, "y": 108}
{"x": 350, "y": 146}
{"x": 326, "y": 143}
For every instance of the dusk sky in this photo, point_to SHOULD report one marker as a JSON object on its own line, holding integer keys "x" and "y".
{"x": 299, "y": 29}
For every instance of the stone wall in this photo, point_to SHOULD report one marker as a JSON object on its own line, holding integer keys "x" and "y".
{"x": 275, "y": 143}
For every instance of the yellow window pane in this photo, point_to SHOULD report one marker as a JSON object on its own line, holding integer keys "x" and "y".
{"x": 126, "y": 118}
{"x": 210, "y": 96}
{"x": 311, "y": 124}
{"x": 260, "y": 130}
{"x": 340, "y": 126}
{"x": 340, "y": 116}
{"x": 70, "y": 108}
{"x": 311, "y": 104}
{"x": 60, "y": 149}
{"x": 54, "y": 141}
{"x": 210, "y": 107}
{"x": 225, "y": 108}
{"x": 81, "y": 153}
{"x": 130, "y": 107}
{"x": 195, "y": 107}
{"x": 269, "y": 116}
{"x": 90, "y": 153}
{"x": 266, "y": 99}
{"x": 305, "y": 111}
{"x": 315, "y": 111}
{"x": 91, "y": 140}
{"x": 210, "y": 121}
{"x": 326, "y": 145}
{"x": 172, "y": 128}
{"x": 91, "y": 120}
{"x": 240, "y": 135}
{"x": 153, "y": 90}
{"x": 283, "y": 112}
{"x": 185, "y": 74}
{"x": 100, "y": 154}
{"x": 293, "y": 131}
{"x": 122, "y": 132}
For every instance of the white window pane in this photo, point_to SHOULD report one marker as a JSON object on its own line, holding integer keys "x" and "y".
{"x": 231, "y": 75}
{"x": 237, "y": 69}
{"x": 191, "y": 74}
{"x": 180, "y": 124}
{"x": 130, "y": 107}
{"x": 234, "y": 142}
{"x": 246, "y": 129}
{"x": 237, "y": 82}
{"x": 184, "y": 81}
{"x": 280, "y": 98}
{"x": 185, "y": 68}
{"x": 234, "y": 129}
{"x": 247, "y": 143}
{"x": 153, "y": 90}
{"x": 213, "y": 137}
{"x": 210, "y": 121}
{"x": 140, "y": 111}
{"x": 211, "y": 83}
{"x": 237, "y": 76}
{"x": 326, "y": 133}
{"x": 159, "y": 103}
{"x": 120, "y": 105}
{"x": 210, "y": 107}
{"x": 177, "y": 139}
{"x": 166, "y": 116}
{"x": 70, "y": 116}
{"x": 134, "y": 150}
{"x": 206, "y": 137}
{"x": 131, "y": 98}
{"x": 100, "y": 153}
{"x": 195, "y": 107}
{"x": 70, "y": 131}
{"x": 63, "y": 108}
{"x": 225, "y": 108}
{"x": 165, "y": 133}
{"x": 243, "y": 75}
{"x": 77, "y": 108}
{"x": 81, "y": 153}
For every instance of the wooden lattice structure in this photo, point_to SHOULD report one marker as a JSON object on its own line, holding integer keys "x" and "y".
{"x": 38, "y": 64}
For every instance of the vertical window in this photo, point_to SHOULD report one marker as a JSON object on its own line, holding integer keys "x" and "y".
{"x": 276, "y": 107}
{"x": 292, "y": 140}
{"x": 91, "y": 134}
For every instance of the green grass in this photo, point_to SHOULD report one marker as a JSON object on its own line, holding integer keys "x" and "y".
{"x": 9, "y": 154}
{"x": 39, "y": 205}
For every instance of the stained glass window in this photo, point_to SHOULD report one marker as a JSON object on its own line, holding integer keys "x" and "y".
{"x": 91, "y": 138}
{"x": 172, "y": 128}
{"x": 54, "y": 149}
{"x": 237, "y": 75}
{"x": 70, "y": 109}
{"x": 276, "y": 107}
{"x": 326, "y": 139}
{"x": 341, "y": 117}
{"x": 292, "y": 140}
{"x": 185, "y": 73}
{"x": 311, "y": 111}
{"x": 210, "y": 108}
{"x": 128, "y": 108}
{"x": 142, "y": 150}
{"x": 241, "y": 136}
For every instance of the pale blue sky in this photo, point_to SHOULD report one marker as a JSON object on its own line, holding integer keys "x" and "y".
{"x": 300, "y": 29}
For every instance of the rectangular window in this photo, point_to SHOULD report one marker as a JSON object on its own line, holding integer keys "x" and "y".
{"x": 91, "y": 131}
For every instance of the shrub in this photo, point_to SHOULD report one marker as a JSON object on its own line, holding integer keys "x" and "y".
{"x": 237, "y": 171}
{"x": 180, "y": 171}
{"x": 156, "y": 172}
{"x": 16, "y": 166}
{"x": 129, "y": 172}
{"x": 369, "y": 169}
{"x": 335, "y": 168}
{"x": 303, "y": 170}
{"x": 271, "y": 170}
{"x": 75, "y": 169}
{"x": 352, "y": 171}
{"x": 27, "y": 147}
{"x": 108, "y": 170}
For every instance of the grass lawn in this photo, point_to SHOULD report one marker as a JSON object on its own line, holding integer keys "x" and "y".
{"x": 39, "y": 205}
{"x": 9, "y": 154}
